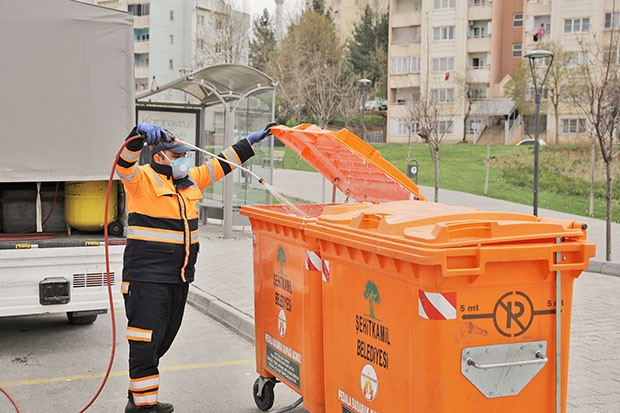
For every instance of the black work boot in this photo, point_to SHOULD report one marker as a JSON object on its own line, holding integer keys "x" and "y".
{"x": 157, "y": 408}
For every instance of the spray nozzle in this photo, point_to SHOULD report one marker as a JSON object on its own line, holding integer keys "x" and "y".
{"x": 168, "y": 136}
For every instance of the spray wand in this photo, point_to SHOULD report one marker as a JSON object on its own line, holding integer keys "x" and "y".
{"x": 171, "y": 137}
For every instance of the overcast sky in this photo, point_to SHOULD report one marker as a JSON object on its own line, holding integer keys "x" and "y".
{"x": 256, "y": 7}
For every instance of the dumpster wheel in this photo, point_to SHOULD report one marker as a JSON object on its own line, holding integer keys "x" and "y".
{"x": 263, "y": 392}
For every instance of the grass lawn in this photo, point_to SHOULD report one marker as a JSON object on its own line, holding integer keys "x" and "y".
{"x": 564, "y": 174}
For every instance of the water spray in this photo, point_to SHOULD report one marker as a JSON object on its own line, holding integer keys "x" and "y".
{"x": 272, "y": 190}
{"x": 172, "y": 136}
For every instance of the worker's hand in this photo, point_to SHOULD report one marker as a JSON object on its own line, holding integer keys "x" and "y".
{"x": 261, "y": 134}
{"x": 152, "y": 133}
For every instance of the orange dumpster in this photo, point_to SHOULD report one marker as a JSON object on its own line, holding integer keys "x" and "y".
{"x": 435, "y": 308}
{"x": 287, "y": 264}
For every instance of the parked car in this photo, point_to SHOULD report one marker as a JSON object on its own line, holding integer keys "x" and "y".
{"x": 376, "y": 104}
{"x": 531, "y": 142}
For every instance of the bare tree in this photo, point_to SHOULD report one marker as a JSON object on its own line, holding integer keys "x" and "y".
{"x": 558, "y": 82}
{"x": 596, "y": 92}
{"x": 490, "y": 114}
{"x": 432, "y": 127}
{"x": 226, "y": 36}
{"x": 309, "y": 68}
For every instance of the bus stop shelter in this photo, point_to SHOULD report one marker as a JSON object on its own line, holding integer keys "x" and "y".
{"x": 213, "y": 106}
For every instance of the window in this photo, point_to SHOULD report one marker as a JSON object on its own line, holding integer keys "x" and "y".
{"x": 171, "y": 15}
{"x": 474, "y": 125}
{"x": 477, "y": 92}
{"x": 517, "y": 20}
{"x": 406, "y": 35}
{"x": 144, "y": 37}
{"x": 219, "y": 25}
{"x": 574, "y": 125}
{"x": 405, "y": 123}
{"x": 404, "y": 65}
{"x": 172, "y": 39}
{"x": 612, "y": 20}
{"x": 170, "y": 64}
{"x": 577, "y": 25}
{"x": 443, "y": 33}
{"x": 517, "y": 50}
{"x": 201, "y": 44}
{"x": 442, "y": 95}
{"x": 443, "y": 64}
{"x": 480, "y": 2}
{"x": 201, "y": 20}
{"x": 445, "y": 4}
{"x": 139, "y": 9}
{"x": 445, "y": 127}
{"x": 477, "y": 32}
{"x": 477, "y": 63}
{"x": 578, "y": 58}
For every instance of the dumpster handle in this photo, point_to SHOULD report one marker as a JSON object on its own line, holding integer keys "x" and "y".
{"x": 540, "y": 359}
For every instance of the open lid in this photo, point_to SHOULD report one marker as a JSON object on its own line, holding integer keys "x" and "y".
{"x": 353, "y": 166}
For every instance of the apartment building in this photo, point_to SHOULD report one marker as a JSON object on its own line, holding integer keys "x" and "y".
{"x": 348, "y": 13}
{"x": 462, "y": 52}
{"x": 172, "y": 37}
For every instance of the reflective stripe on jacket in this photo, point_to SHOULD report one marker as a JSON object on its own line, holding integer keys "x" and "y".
{"x": 162, "y": 235}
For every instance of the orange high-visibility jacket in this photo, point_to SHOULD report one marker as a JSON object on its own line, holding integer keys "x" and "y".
{"x": 162, "y": 235}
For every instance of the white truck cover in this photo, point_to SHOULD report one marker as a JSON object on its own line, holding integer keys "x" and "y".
{"x": 67, "y": 99}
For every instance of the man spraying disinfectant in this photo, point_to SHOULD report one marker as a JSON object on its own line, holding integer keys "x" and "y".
{"x": 162, "y": 246}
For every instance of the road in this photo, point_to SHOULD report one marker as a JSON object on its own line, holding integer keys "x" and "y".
{"x": 48, "y": 365}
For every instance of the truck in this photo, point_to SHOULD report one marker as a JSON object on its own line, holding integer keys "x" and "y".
{"x": 67, "y": 103}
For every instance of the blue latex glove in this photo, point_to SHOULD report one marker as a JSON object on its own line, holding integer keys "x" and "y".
{"x": 261, "y": 134}
{"x": 152, "y": 133}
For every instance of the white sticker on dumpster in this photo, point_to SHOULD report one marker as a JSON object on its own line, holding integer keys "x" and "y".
{"x": 282, "y": 323}
{"x": 283, "y": 360}
{"x": 437, "y": 306}
{"x": 351, "y": 405}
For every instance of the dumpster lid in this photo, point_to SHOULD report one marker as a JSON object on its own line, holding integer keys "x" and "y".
{"x": 434, "y": 225}
{"x": 352, "y": 165}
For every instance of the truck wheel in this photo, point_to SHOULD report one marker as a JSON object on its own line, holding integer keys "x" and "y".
{"x": 115, "y": 228}
{"x": 81, "y": 320}
{"x": 266, "y": 399}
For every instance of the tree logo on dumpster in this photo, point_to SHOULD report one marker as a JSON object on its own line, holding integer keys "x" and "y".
{"x": 371, "y": 293}
{"x": 281, "y": 259}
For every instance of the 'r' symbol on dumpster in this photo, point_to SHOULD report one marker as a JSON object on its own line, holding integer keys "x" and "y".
{"x": 513, "y": 314}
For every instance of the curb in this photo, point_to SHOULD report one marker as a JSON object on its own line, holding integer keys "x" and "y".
{"x": 227, "y": 315}
{"x": 604, "y": 267}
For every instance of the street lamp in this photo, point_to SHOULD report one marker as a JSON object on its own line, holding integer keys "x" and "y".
{"x": 532, "y": 56}
{"x": 364, "y": 84}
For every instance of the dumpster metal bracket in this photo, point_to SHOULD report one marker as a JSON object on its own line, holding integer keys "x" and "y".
{"x": 504, "y": 369}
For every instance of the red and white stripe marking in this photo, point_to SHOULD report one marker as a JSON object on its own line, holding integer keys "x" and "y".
{"x": 437, "y": 306}
{"x": 314, "y": 262}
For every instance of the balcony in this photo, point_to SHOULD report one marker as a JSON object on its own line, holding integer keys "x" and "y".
{"x": 479, "y": 75}
{"x": 141, "y": 47}
{"x": 406, "y": 19}
{"x": 537, "y": 7}
{"x": 141, "y": 72}
{"x": 478, "y": 45}
{"x": 141, "y": 22}
{"x": 480, "y": 12}
{"x": 404, "y": 81}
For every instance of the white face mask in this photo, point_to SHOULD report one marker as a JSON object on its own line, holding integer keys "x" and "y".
{"x": 180, "y": 166}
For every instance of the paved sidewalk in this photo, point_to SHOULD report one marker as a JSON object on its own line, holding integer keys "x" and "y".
{"x": 224, "y": 290}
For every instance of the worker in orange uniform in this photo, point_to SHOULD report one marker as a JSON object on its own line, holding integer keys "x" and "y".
{"x": 162, "y": 246}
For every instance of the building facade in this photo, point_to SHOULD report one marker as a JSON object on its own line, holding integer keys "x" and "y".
{"x": 173, "y": 37}
{"x": 348, "y": 13}
{"x": 462, "y": 53}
